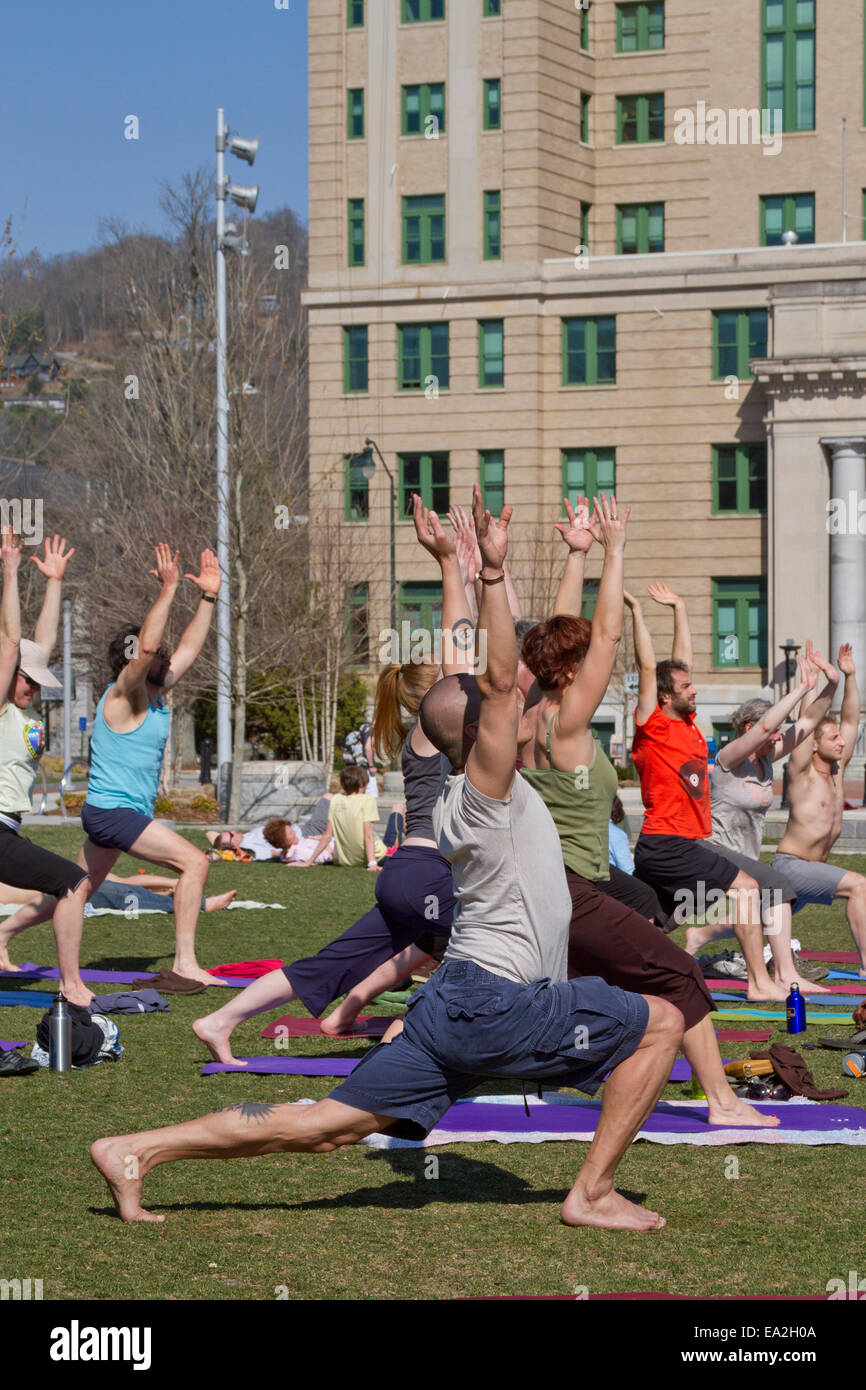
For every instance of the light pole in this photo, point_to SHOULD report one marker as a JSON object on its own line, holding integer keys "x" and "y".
{"x": 227, "y": 240}
{"x": 790, "y": 650}
{"x": 368, "y": 468}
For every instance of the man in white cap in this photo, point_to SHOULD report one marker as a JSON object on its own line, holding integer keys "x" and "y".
{"x": 23, "y": 670}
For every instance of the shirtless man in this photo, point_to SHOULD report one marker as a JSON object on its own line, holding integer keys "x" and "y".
{"x": 816, "y": 776}
{"x": 500, "y": 1004}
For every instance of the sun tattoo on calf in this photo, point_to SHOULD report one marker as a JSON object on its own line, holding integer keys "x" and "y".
{"x": 250, "y": 1109}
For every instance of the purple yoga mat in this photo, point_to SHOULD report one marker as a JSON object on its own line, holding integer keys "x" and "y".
{"x": 835, "y": 987}
{"x": 343, "y": 1066}
{"x": 9, "y": 1046}
{"x": 30, "y": 971}
{"x": 582, "y": 1117}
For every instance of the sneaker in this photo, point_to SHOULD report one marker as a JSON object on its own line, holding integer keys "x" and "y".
{"x": 808, "y": 969}
{"x": 728, "y": 965}
{"x": 14, "y": 1063}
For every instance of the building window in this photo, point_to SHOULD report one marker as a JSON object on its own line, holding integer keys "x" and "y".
{"x": 584, "y": 25}
{"x": 426, "y": 474}
{"x": 585, "y": 210}
{"x": 422, "y": 11}
{"x": 789, "y": 63}
{"x": 357, "y": 491}
{"x": 491, "y": 476}
{"x": 424, "y": 109}
{"x": 424, "y": 229}
{"x": 723, "y": 732}
{"x": 584, "y": 118}
{"x": 588, "y": 473}
{"x": 738, "y": 334}
{"x": 491, "y": 352}
{"x": 492, "y": 9}
{"x": 493, "y": 104}
{"x": 739, "y": 477}
{"x": 358, "y": 625}
{"x": 355, "y": 375}
{"x": 589, "y": 599}
{"x": 787, "y": 212}
{"x": 640, "y": 26}
{"x": 355, "y": 18}
{"x": 423, "y": 356}
{"x": 588, "y": 351}
{"x": 640, "y": 119}
{"x": 640, "y": 228}
{"x": 493, "y": 226}
{"x": 739, "y": 622}
{"x": 421, "y": 606}
{"x": 355, "y": 114}
{"x": 356, "y": 231}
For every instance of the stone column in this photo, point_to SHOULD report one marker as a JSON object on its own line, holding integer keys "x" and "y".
{"x": 847, "y": 529}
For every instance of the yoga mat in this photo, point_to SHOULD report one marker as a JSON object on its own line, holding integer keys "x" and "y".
{"x": 10, "y": 1046}
{"x": 813, "y": 1001}
{"x": 500, "y": 1119}
{"x": 33, "y": 1000}
{"x": 847, "y": 975}
{"x": 344, "y": 1066}
{"x": 743, "y": 1034}
{"x": 30, "y": 971}
{"x": 8, "y": 909}
{"x": 843, "y": 957}
{"x": 310, "y": 1027}
{"x": 820, "y": 1019}
{"x": 846, "y": 988}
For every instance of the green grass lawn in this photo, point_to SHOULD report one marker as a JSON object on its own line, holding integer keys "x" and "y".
{"x": 367, "y": 1224}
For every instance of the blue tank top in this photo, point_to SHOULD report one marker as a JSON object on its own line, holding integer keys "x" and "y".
{"x": 124, "y": 769}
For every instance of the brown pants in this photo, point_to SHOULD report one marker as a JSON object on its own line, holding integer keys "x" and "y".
{"x": 608, "y": 939}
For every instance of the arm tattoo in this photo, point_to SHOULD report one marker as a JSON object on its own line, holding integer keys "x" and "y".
{"x": 251, "y": 1109}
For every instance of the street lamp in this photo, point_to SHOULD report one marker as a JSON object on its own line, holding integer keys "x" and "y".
{"x": 244, "y": 196}
{"x": 367, "y": 465}
{"x": 790, "y": 649}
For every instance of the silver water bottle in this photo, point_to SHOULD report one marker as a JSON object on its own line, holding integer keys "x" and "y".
{"x": 60, "y": 1036}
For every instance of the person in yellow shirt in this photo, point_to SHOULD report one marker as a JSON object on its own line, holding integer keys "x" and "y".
{"x": 351, "y": 818}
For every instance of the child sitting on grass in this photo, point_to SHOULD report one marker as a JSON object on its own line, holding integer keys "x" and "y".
{"x": 351, "y": 819}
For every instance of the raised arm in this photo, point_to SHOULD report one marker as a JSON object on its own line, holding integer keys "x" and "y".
{"x": 849, "y": 719}
{"x": 53, "y": 566}
{"x": 10, "y": 611}
{"x": 490, "y": 764}
{"x": 645, "y": 656}
{"x": 578, "y": 535}
{"x": 682, "y": 647}
{"x": 812, "y": 710}
{"x": 195, "y": 634}
{"x": 134, "y": 674}
{"x": 739, "y": 749}
{"x": 468, "y": 554}
{"x": 458, "y": 632}
{"x": 581, "y": 699}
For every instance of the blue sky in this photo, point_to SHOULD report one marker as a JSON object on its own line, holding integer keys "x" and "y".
{"x": 73, "y": 70}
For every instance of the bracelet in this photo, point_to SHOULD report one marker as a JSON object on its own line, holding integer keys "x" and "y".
{"x": 372, "y": 864}
{"x": 208, "y": 598}
{"x": 498, "y": 580}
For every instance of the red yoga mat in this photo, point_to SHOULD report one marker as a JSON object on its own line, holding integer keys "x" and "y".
{"x": 744, "y": 1034}
{"x": 838, "y": 957}
{"x": 834, "y": 986}
{"x": 290, "y": 1027}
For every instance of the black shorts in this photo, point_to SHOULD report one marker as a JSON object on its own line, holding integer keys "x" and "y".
{"x": 634, "y": 893}
{"x": 116, "y": 827}
{"x": 25, "y": 865}
{"x": 686, "y": 874}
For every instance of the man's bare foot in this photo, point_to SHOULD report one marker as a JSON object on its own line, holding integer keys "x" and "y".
{"x": 197, "y": 972}
{"x": 758, "y": 994}
{"x": 6, "y": 963}
{"x": 115, "y": 1162}
{"x": 699, "y": 937}
{"x": 736, "y": 1112}
{"x": 77, "y": 994}
{"x": 216, "y": 1039}
{"x": 805, "y": 986}
{"x": 612, "y": 1212}
{"x": 337, "y": 1025}
{"x": 221, "y": 900}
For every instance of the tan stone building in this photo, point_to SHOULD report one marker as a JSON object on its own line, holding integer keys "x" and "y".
{"x": 551, "y": 248}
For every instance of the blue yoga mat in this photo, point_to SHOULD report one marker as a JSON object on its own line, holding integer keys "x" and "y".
{"x": 823, "y": 1001}
{"x": 845, "y": 975}
{"x": 31, "y": 998}
{"x": 818, "y": 1018}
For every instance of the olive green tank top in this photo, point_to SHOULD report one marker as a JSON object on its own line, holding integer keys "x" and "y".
{"x": 580, "y": 803}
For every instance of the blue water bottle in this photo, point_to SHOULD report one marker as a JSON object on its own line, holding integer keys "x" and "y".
{"x": 796, "y": 1008}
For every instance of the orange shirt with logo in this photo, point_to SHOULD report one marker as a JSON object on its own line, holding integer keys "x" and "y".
{"x": 671, "y": 758}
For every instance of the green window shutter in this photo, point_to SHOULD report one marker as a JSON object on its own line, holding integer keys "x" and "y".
{"x": 725, "y": 478}
{"x": 584, "y": 25}
{"x": 739, "y": 622}
{"x": 493, "y": 226}
{"x": 438, "y": 337}
{"x": 492, "y": 104}
{"x": 355, "y": 360}
{"x": 358, "y": 625}
{"x": 491, "y": 352}
{"x": 655, "y": 116}
{"x": 357, "y": 507}
{"x": 436, "y": 108}
{"x": 355, "y": 114}
{"x": 355, "y": 18}
{"x": 585, "y": 210}
{"x": 491, "y": 476}
{"x": 409, "y": 356}
{"x": 411, "y": 111}
{"x": 589, "y": 599}
{"x": 584, "y": 117}
{"x": 356, "y": 231}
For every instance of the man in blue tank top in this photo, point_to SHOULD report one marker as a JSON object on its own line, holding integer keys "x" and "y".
{"x": 129, "y": 736}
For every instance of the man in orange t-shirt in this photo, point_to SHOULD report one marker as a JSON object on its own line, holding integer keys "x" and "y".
{"x": 689, "y": 875}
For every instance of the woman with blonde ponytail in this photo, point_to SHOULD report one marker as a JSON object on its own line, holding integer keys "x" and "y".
{"x": 414, "y": 891}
